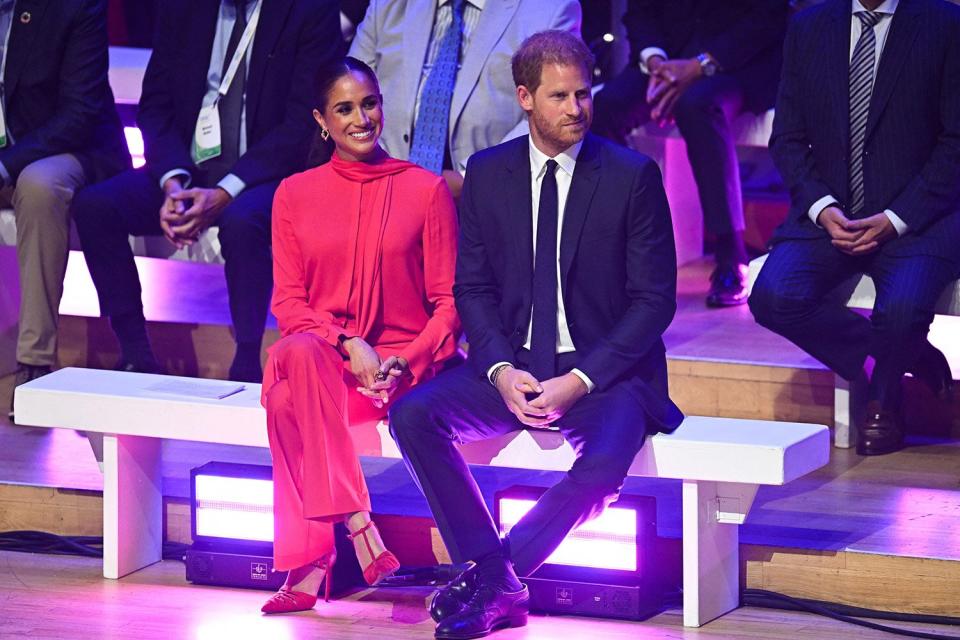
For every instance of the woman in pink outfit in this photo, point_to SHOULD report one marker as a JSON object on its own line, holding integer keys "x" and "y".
{"x": 364, "y": 250}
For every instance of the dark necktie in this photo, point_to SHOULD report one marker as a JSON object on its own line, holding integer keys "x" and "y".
{"x": 543, "y": 339}
{"x": 861, "y": 88}
{"x": 430, "y": 129}
{"x": 231, "y": 105}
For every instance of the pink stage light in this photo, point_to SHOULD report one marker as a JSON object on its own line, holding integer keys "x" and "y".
{"x": 606, "y": 542}
{"x": 233, "y": 508}
{"x": 135, "y": 146}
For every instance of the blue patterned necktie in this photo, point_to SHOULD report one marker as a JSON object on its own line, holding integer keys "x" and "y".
{"x": 430, "y": 129}
{"x": 861, "y": 88}
{"x": 543, "y": 335}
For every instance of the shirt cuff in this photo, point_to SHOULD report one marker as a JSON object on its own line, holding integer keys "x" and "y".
{"x": 817, "y": 207}
{"x": 494, "y": 368}
{"x": 232, "y": 185}
{"x": 586, "y": 380}
{"x": 176, "y": 173}
{"x": 648, "y": 53}
{"x": 895, "y": 220}
{"x": 5, "y": 176}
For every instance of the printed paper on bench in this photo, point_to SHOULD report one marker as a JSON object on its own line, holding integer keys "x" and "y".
{"x": 209, "y": 389}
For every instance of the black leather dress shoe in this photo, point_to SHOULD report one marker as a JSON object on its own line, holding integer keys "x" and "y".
{"x": 25, "y": 373}
{"x": 933, "y": 370}
{"x": 489, "y": 609}
{"x": 728, "y": 286}
{"x": 881, "y": 433}
{"x": 454, "y": 597}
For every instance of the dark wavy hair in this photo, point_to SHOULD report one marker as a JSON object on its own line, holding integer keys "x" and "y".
{"x": 327, "y": 76}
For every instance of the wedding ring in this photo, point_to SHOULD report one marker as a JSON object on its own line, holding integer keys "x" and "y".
{"x": 380, "y": 376}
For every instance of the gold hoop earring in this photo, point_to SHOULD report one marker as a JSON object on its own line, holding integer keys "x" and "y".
{"x": 324, "y": 134}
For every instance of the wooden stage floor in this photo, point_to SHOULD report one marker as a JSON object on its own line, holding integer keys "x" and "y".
{"x": 57, "y": 598}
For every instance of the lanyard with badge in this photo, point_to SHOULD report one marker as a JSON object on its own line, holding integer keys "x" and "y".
{"x": 206, "y": 137}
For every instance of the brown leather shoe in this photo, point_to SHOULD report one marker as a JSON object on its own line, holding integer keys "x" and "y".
{"x": 880, "y": 433}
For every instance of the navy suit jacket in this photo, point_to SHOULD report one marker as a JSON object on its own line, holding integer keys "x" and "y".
{"x": 58, "y": 99}
{"x": 617, "y": 265}
{"x": 745, "y": 36}
{"x": 294, "y": 38}
{"x": 911, "y": 159}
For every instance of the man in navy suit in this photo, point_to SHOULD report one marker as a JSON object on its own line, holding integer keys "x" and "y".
{"x": 265, "y": 124}
{"x": 867, "y": 137}
{"x": 566, "y": 279}
{"x": 701, "y": 63}
{"x": 60, "y": 132}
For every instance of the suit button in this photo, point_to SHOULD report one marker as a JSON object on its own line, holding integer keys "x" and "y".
{"x": 406, "y": 137}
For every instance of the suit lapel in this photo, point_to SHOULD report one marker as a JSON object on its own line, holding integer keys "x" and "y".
{"x": 903, "y": 32}
{"x": 417, "y": 26}
{"x": 519, "y": 223}
{"x": 273, "y": 18}
{"x": 494, "y": 19}
{"x": 837, "y": 64}
{"x": 586, "y": 175}
{"x": 22, "y": 36}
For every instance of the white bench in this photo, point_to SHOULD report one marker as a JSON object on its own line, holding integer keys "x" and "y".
{"x": 859, "y": 293}
{"x": 667, "y": 147}
{"x": 721, "y": 462}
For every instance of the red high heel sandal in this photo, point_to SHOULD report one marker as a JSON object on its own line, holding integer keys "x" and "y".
{"x": 288, "y": 601}
{"x": 384, "y": 565}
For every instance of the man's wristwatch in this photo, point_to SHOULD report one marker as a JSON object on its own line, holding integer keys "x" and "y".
{"x": 707, "y": 65}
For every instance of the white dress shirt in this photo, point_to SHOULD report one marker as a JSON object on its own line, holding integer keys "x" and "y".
{"x": 880, "y": 30}
{"x": 567, "y": 162}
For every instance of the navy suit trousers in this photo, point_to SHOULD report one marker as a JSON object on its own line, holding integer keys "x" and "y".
{"x": 605, "y": 428}
{"x": 791, "y": 297}
{"x": 129, "y": 204}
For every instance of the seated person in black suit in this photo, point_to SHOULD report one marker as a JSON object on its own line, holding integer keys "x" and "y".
{"x": 211, "y": 165}
{"x": 61, "y": 132}
{"x": 701, "y": 63}
{"x": 869, "y": 146}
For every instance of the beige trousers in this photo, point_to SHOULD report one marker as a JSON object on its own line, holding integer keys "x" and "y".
{"x": 41, "y": 203}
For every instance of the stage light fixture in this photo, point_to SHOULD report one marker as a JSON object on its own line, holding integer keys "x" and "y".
{"x": 606, "y": 567}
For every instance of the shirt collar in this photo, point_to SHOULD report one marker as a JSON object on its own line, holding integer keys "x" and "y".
{"x": 887, "y": 6}
{"x": 567, "y": 159}
{"x": 479, "y": 4}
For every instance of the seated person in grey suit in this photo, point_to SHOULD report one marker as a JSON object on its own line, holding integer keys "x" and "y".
{"x": 866, "y": 138}
{"x": 225, "y": 116}
{"x": 701, "y": 63}
{"x": 444, "y": 69}
{"x": 61, "y": 132}
{"x": 566, "y": 280}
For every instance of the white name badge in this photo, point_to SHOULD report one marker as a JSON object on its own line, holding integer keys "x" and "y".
{"x": 206, "y": 138}
{"x": 3, "y": 127}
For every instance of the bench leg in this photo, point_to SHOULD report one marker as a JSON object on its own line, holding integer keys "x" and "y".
{"x": 132, "y": 504}
{"x": 711, "y": 554}
{"x": 844, "y": 401}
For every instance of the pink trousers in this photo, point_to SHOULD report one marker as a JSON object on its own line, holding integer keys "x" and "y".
{"x": 316, "y": 473}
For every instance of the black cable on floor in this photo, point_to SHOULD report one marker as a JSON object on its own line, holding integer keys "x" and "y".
{"x": 87, "y": 546}
{"x": 843, "y": 613}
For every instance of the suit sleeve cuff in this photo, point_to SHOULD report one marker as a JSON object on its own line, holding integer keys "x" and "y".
{"x": 494, "y": 368}
{"x": 5, "y": 176}
{"x": 895, "y": 220}
{"x": 648, "y": 53}
{"x": 586, "y": 380}
{"x": 232, "y": 185}
{"x": 176, "y": 173}
{"x": 817, "y": 208}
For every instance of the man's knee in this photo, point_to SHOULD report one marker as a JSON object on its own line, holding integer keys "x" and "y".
{"x": 242, "y": 228}
{"x": 773, "y": 307}
{"x": 43, "y": 193}
{"x": 411, "y": 414}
